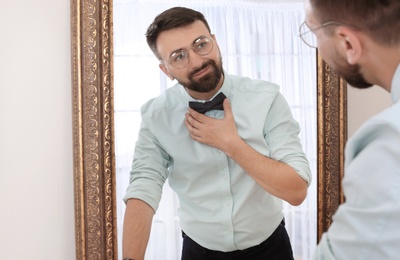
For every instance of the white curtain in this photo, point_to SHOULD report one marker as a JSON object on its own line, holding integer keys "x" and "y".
{"x": 258, "y": 39}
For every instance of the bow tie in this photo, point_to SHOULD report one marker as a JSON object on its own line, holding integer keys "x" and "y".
{"x": 214, "y": 104}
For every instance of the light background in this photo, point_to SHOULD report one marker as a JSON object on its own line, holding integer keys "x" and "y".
{"x": 36, "y": 163}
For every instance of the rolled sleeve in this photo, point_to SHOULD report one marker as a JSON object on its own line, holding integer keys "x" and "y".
{"x": 149, "y": 169}
{"x": 282, "y": 135}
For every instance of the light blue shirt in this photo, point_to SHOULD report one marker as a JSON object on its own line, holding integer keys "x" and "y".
{"x": 367, "y": 225}
{"x": 221, "y": 207}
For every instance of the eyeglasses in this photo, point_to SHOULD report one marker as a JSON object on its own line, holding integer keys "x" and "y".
{"x": 308, "y": 35}
{"x": 180, "y": 58}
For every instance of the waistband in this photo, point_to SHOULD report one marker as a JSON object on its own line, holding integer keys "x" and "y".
{"x": 216, "y": 253}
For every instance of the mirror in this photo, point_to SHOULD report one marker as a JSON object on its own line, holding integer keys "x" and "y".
{"x": 93, "y": 122}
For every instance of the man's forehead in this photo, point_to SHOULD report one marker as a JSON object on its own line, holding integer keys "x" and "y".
{"x": 182, "y": 37}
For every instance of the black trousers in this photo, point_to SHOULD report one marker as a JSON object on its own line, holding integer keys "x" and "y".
{"x": 276, "y": 247}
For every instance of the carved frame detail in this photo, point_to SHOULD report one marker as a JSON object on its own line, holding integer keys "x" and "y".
{"x": 93, "y": 123}
{"x": 332, "y": 136}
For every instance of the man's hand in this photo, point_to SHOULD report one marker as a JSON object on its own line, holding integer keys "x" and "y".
{"x": 277, "y": 178}
{"x": 218, "y": 133}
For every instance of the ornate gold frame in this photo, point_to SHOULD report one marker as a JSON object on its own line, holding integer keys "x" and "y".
{"x": 332, "y": 136}
{"x": 93, "y": 123}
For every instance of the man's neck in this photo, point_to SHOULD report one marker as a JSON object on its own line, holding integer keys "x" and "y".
{"x": 381, "y": 65}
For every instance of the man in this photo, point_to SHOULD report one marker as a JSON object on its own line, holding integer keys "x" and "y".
{"x": 230, "y": 168}
{"x": 361, "y": 41}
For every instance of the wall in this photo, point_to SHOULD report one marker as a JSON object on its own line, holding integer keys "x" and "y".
{"x": 36, "y": 165}
{"x": 364, "y": 103}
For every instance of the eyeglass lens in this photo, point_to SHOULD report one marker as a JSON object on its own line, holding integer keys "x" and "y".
{"x": 308, "y": 36}
{"x": 201, "y": 46}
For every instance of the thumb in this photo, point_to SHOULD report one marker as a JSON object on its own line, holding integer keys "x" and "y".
{"x": 227, "y": 108}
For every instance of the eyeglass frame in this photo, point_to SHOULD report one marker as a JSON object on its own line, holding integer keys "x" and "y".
{"x": 315, "y": 29}
{"x": 186, "y": 51}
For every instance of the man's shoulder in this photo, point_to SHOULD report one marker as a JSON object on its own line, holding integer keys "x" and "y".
{"x": 388, "y": 118}
{"x": 246, "y": 84}
{"x": 168, "y": 99}
{"x": 383, "y": 127}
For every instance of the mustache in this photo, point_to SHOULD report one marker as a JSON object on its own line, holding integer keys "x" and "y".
{"x": 203, "y": 66}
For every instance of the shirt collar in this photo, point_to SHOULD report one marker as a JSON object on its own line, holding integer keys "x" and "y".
{"x": 395, "y": 91}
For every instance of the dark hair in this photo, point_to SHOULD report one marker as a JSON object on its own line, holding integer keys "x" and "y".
{"x": 379, "y": 19}
{"x": 172, "y": 18}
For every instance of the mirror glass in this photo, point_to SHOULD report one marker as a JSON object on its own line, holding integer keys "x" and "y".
{"x": 95, "y": 144}
{"x": 258, "y": 40}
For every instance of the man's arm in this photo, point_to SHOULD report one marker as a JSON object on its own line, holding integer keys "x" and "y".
{"x": 366, "y": 225}
{"x": 279, "y": 179}
{"x": 136, "y": 231}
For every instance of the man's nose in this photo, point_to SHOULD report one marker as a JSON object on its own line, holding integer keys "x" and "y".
{"x": 195, "y": 59}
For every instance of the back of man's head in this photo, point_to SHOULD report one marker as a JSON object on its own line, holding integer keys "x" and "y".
{"x": 379, "y": 19}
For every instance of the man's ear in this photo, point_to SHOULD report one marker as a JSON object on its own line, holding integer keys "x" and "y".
{"x": 165, "y": 70}
{"x": 213, "y": 37}
{"x": 350, "y": 44}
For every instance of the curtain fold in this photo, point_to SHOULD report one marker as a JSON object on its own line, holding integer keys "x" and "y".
{"x": 258, "y": 39}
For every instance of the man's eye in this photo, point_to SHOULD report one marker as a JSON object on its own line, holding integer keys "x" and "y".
{"x": 201, "y": 45}
{"x": 179, "y": 56}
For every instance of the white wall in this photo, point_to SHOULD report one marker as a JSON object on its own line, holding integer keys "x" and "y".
{"x": 364, "y": 103}
{"x": 36, "y": 165}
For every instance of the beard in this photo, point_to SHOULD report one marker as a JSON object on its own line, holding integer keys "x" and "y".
{"x": 351, "y": 73}
{"x": 206, "y": 83}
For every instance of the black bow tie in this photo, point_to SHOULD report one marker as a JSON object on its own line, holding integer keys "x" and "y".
{"x": 214, "y": 104}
